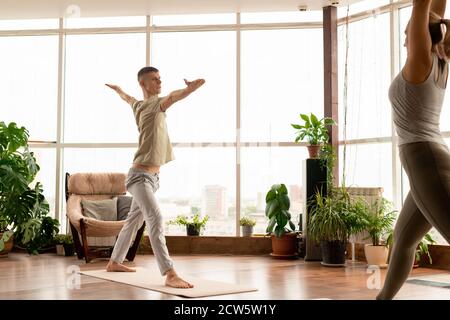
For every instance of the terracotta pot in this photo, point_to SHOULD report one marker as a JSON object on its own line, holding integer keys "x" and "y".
{"x": 314, "y": 151}
{"x": 8, "y": 246}
{"x": 285, "y": 247}
{"x": 376, "y": 255}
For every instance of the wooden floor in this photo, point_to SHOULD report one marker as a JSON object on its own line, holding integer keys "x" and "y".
{"x": 48, "y": 276}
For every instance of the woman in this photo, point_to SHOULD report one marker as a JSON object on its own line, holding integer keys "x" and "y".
{"x": 417, "y": 95}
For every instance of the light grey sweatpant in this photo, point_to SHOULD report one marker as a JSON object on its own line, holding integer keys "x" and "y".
{"x": 427, "y": 205}
{"x": 142, "y": 186}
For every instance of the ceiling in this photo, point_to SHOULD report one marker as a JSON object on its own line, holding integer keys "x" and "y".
{"x": 25, "y": 9}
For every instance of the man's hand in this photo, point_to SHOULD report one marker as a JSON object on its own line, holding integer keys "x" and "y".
{"x": 114, "y": 87}
{"x": 194, "y": 85}
{"x": 130, "y": 100}
{"x": 177, "y": 95}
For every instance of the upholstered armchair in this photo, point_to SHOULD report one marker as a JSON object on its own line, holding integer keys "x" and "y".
{"x": 95, "y": 186}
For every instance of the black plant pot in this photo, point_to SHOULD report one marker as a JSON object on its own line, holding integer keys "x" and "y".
{"x": 333, "y": 253}
{"x": 192, "y": 231}
{"x": 68, "y": 250}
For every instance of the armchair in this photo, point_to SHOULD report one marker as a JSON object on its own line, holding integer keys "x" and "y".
{"x": 95, "y": 186}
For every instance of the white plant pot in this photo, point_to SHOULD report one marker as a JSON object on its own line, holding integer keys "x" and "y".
{"x": 376, "y": 255}
{"x": 59, "y": 249}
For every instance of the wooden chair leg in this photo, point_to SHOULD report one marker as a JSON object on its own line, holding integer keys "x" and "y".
{"x": 85, "y": 243}
{"x": 133, "y": 249}
{"x": 76, "y": 241}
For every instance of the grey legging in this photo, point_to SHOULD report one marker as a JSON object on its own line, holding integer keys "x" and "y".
{"x": 142, "y": 186}
{"x": 427, "y": 205}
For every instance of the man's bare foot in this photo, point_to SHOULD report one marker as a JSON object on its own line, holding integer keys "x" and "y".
{"x": 173, "y": 280}
{"x": 118, "y": 267}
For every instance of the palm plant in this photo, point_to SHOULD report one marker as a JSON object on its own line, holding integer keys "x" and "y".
{"x": 335, "y": 217}
{"x": 379, "y": 220}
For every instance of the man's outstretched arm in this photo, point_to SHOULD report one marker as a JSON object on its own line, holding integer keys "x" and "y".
{"x": 129, "y": 99}
{"x": 177, "y": 95}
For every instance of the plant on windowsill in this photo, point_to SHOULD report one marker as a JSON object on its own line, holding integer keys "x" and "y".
{"x": 247, "y": 225}
{"x": 280, "y": 227}
{"x": 314, "y": 131}
{"x": 23, "y": 209}
{"x": 194, "y": 225}
{"x": 64, "y": 245}
{"x": 378, "y": 222}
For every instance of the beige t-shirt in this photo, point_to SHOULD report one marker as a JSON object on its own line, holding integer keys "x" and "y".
{"x": 154, "y": 147}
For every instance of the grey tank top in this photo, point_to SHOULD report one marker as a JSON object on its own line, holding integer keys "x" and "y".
{"x": 416, "y": 108}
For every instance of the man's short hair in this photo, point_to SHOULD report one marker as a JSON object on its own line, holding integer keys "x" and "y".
{"x": 144, "y": 71}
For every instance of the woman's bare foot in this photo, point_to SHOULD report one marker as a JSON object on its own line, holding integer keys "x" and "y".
{"x": 173, "y": 280}
{"x": 118, "y": 267}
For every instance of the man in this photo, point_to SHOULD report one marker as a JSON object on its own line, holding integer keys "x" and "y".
{"x": 154, "y": 150}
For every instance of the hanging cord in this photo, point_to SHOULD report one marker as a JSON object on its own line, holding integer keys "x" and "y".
{"x": 345, "y": 97}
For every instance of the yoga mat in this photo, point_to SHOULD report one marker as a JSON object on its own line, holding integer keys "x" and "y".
{"x": 148, "y": 279}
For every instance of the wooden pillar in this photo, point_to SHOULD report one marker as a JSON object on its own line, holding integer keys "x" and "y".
{"x": 330, "y": 77}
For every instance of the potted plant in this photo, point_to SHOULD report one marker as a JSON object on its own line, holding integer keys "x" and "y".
{"x": 194, "y": 225}
{"x": 64, "y": 245}
{"x": 281, "y": 228}
{"x": 314, "y": 131}
{"x": 378, "y": 222}
{"x": 422, "y": 250}
{"x": 6, "y": 238}
{"x": 23, "y": 208}
{"x": 333, "y": 219}
{"x": 247, "y": 225}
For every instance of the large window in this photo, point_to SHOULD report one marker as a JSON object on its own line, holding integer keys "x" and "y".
{"x": 200, "y": 179}
{"x": 261, "y": 168}
{"x": 369, "y": 77}
{"x": 29, "y": 82}
{"x": 279, "y": 81}
{"x": 263, "y": 72}
{"x": 208, "y": 115}
{"x": 366, "y": 112}
{"x": 94, "y": 112}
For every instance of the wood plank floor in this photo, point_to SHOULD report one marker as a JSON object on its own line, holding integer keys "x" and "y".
{"x": 47, "y": 276}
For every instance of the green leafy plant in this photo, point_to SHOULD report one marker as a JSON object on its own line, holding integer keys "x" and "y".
{"x": 63, "y": 239}
{"x": 247, "y": 221}
{"x": 422, "y": 248}
{"x": 196, "y": 221}
{"x": 327, "y": 159}
{"x": 335, "y": 217}
{"x": 378, "y": 221}
{"x": 277, "y": 210}
{"x": 6, "y": 234}
{"x": 23, "y": 208}
{"x": 313, "y": 130}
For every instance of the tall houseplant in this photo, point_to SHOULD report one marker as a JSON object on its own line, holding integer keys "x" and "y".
{"x": 314, "y": 131}
{"x": 23, "y": 208}
{"x": 280, "y": 226}
{"x": 333, "y": 220}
